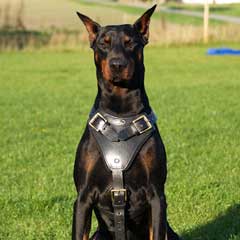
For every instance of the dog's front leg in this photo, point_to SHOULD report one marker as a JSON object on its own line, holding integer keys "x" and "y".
{"x": 81, "y": 219}
{"x": 159, "y": 219}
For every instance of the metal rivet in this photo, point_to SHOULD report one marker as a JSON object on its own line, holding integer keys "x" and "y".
{"x": 116, "y": 160}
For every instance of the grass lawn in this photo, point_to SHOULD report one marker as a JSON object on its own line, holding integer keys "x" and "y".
{"x": 45, "y": 98}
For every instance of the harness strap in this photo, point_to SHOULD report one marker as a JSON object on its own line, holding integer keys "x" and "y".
{"x": 119, "y": 198}
{"x": 138, "y": 126}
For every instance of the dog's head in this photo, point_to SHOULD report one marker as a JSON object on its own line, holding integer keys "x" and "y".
{"x": 118, "y": 49}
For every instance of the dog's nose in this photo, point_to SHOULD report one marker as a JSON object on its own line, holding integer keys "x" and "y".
{"x": 117, "y": 64}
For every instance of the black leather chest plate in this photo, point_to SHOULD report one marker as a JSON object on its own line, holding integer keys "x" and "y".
{"x": 120, "y": 155}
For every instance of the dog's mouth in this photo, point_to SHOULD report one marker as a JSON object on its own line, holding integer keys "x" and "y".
{"x": 122, "y": 76}
{"x": 117, "y": 78}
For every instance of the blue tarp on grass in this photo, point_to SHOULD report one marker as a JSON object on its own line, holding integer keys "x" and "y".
{"x": 223, "y": 51}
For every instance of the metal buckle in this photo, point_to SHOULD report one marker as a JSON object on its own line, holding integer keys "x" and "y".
{"x": 119, "y": 190}
{"x": 149, "y": 125}
{"x": 97, "y": 115}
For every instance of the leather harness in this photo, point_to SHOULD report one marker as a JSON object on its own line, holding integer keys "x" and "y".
{"x": 119, "y": 140}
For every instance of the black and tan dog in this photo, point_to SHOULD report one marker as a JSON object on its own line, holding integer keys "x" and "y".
{"x": 125, "y": 192}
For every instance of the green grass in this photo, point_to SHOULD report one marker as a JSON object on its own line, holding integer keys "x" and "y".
{"x": 45, "y": 98}
{"x": 224, "y": 9}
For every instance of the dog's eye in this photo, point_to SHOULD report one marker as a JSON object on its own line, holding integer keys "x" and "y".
{"x": 105, "y": 43}
{"x": 128, "y": 43}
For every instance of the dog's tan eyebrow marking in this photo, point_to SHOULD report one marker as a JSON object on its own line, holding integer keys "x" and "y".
{"x": 126, "y": 38}
{"x": 107, "y": 39}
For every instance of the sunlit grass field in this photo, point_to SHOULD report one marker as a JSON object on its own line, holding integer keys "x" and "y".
{"x": 45, "y": 98}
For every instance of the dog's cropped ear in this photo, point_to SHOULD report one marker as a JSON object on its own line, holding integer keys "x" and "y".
{"x": 142, "y": 24}
{"x": 91, "y": 26}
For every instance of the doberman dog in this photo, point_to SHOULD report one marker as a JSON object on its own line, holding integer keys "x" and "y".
{"x": 129, "y": 203}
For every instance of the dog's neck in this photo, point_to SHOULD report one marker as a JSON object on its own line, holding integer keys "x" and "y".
{"x": 122, "y": 101}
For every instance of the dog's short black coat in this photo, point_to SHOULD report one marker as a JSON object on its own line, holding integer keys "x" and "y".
{"x": 118, "y": 55}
